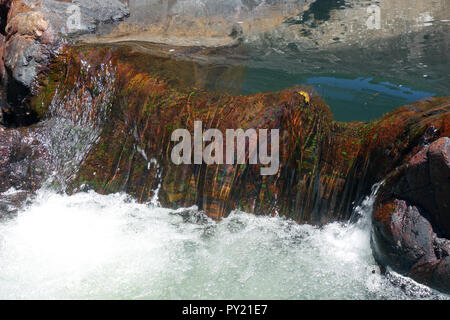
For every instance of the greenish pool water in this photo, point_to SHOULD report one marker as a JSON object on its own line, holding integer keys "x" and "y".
{"x": 350, "y": 99}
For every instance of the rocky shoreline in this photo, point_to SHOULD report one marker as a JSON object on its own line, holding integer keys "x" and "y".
{"x": 82, "y": 117}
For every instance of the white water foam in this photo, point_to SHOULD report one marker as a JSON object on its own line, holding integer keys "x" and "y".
{"x": 90, "y": 246}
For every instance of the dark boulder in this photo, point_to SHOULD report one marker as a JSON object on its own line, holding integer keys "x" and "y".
{"x": 23, "y": 165}
{"x": 412, "y": 217}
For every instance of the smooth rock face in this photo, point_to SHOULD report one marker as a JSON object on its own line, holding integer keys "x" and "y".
{"x": 411, "y": 222}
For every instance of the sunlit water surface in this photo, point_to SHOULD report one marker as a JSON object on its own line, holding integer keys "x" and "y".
{"x": 362, "y": 69}
{"x": 95, "y": 246}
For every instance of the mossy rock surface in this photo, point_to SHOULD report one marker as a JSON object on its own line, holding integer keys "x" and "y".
{"x": 325, "y": 165}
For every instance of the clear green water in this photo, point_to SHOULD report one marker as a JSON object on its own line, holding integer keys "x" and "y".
{"x": 350, "y": 99}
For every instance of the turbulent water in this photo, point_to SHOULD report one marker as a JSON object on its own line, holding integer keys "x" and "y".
{"x": 94, "y": 246}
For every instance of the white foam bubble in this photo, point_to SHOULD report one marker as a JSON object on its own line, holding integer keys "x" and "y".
{"x": 94, "y": 246}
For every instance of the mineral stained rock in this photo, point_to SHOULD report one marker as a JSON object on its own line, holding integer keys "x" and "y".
{"x": 108, "y": 116}
{"x": 325, "y": 165}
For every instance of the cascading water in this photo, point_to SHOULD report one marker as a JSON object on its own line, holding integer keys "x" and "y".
{"x": 94, "y": 246}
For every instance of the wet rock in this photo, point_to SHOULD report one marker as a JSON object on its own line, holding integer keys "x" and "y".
{"x": 405, "y": 240}
{"x": 326, "y": 166}
{"x": 12, "y": 201}
{"x": 411, "y": 222}
{"x": 426, "y": 181}
{"x": 22, "y": 160}
{"x": 47, "y": 153}
{"x": 35, "y": 28}
{"x": 22, "y": 163}
{"x": 35, "y": 33}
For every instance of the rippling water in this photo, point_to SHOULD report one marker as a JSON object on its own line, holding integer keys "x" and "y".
{"x": 94, "y": 246}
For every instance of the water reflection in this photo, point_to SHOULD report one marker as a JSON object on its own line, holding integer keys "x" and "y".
{"x": 202, "y": 22}
{"x": 358, "y": 22}
{"x": 403, "y": 42}
{"x": 350, "y": 98}
{"x": 302, "y": 23}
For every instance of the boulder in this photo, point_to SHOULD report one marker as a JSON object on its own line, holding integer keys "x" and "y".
{"x": 23, "y": 168}
{"x": 36, "y": 30}
{"x": 412, "y": 217}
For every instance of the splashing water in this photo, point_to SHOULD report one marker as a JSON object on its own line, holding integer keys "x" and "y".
{"x": 110, "y": 247}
